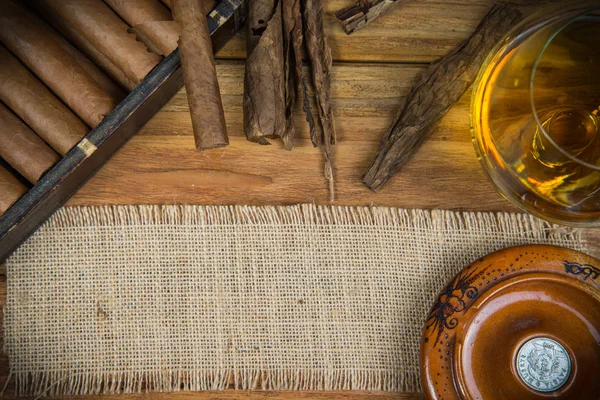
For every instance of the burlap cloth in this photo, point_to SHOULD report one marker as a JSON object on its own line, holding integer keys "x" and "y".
{"x": 127, "y": 299}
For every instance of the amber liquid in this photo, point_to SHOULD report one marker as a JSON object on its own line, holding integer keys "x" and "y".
{"x": 545, "y": 160}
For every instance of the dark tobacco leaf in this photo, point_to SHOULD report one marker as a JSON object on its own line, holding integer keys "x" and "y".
{"x": 359, "y": 15}
{"x": 436, "y": 90}
{"x": 320, "y": 59}
{"x": 292, "y": 49}
{"x": 264, "y": 78}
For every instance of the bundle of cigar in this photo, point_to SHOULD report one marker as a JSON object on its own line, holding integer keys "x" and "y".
{"x": 65, "y": 65}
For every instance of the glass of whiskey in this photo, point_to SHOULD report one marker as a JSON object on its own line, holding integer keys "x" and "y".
{"x": 535, "y": 114}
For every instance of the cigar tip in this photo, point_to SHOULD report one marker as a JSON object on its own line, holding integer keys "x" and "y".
{"x": 211, "y": 147}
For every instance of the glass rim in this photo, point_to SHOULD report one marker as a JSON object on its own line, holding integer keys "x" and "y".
{"x": 575, "y": 15}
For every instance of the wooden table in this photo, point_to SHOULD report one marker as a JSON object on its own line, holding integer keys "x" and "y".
{"x": 373, "y": 71}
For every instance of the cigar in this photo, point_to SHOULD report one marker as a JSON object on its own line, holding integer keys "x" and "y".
{"x": 199, "y": 74}
{"x": 151, "y": 21}
{"x": 25, "y": 151}
{"x": 82, "y": 44}
{"x": 33, "y": 43}
{"x": 100, "y": 26}
{"x": 27, "y": 97}
{"x": 93, "y": 70}
{"x": 11, "y": 189}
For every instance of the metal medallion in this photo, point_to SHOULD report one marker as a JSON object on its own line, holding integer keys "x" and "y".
{"x": 543, "y": 364}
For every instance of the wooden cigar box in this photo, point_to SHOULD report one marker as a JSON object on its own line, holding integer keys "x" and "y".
{"x": 65, "y": 177}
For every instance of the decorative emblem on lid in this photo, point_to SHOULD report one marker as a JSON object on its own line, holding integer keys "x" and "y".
{"x": 543, "y": 364}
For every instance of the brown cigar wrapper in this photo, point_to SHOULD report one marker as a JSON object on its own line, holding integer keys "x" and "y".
{"x": 102, "y": 28}
{"x": 82, "y": 44}
{"x": 136, "y": 12}
{"x": 161, "y": 37}
{"x": 32, "y": 41}
{"x": 27, "y": 97}
{"x": 11, "y": 189}
{"x": 25, "y": 151}
{"x": 151, "y": 22}
{"x": 93, "y": 70}
{"x": 200, "y": 75}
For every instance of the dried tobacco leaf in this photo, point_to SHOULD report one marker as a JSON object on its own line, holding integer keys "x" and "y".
{"x": 264, "y": 78}
{"x": 320, "y": 59}
{"x": 436, "y": 90}
{"x": 292, "y": 50}
{"x": 359, "y": 15}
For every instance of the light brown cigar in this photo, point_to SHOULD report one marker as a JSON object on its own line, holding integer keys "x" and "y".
{"x": 27, "y": 97}
{"x": 151, "y": 21}
{"x": 25, "y": 151}
{"x": 82, "y": 44}
{"x": 100, "y": 26}
{"x": 200, "y": 75}
{"x": 32, "y": 42}
{"x": 93, "y": 70}
{"x": 161, "y": 37}
{"x": 11, "y": 189}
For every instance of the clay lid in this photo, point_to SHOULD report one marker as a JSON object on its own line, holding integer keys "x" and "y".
{"x": 522, "y": 323}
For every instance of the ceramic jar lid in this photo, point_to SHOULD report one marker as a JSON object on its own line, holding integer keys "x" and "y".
{"x": 522, "y": 323}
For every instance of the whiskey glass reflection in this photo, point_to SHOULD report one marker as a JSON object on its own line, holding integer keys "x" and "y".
{"x": 535, "y": 115}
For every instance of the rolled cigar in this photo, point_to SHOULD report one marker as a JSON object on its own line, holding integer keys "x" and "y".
{"x": 27, "y": 97}
{"x": 200, "y": 75}
{"x": 100, "y": 26}
{"x": 11, "y": 189}
{"x": 82, "y": 44}
{"x": 151, "y": 21}
{"x": 25, "y": 151}
{"x": 93, "y": 70}
{"x": 160, "y": 37}
{"x": 32, "y": 42}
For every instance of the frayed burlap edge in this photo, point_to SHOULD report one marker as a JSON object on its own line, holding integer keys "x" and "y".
{"x": 307, "y": 214}
{"x": 87, "y": 383}
{"x": 441, "y": 221}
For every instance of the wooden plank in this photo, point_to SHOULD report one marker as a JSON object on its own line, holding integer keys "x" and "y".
{"x": 160, "y": 165}
{"x": 419, "y": 31}
{"x": 250, "y": 395}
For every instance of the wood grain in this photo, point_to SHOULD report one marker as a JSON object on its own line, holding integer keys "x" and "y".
{"x": 419, "y": 31}
{"x": 148, "y": 169}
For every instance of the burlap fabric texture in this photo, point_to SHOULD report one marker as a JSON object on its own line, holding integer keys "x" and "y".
{"x": 135, "y": 298}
